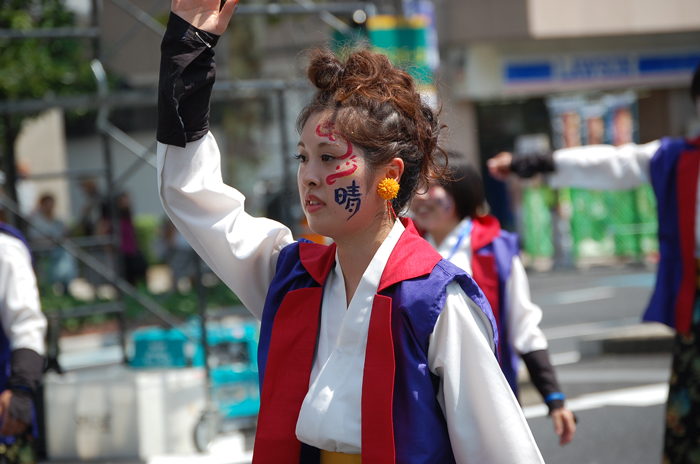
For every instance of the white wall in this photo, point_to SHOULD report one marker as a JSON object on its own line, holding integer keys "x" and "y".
{"x": 577, "y": 18}
{"x": 41, "y": 147}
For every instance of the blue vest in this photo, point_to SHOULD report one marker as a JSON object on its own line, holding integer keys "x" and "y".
{"x": 674, "y": 177}
{"x": 419, "y": 427}
{"x": 503, "y": 248}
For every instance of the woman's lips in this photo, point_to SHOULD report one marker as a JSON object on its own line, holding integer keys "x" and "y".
{"x": 313, "y": 204}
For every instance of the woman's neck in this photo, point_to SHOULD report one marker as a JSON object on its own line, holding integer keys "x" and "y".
{"x": 356, "y": 252}
{"x": 439, "y": 234}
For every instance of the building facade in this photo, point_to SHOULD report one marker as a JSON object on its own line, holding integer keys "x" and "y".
{"x": 502, "y": 60}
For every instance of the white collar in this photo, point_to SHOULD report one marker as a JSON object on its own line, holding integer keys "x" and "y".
{"x": 373, "y": 274}
{"x": 452, "y": 238}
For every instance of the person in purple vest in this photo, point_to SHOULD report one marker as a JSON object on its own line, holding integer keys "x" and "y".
{"x": 372, "y": 349}
{"x": 23, "y": 327}
{"x": 672, "y": 165}
{"x": 453, "y": 215}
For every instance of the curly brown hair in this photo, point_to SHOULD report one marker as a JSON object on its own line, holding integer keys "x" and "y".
{"x": 377, "y": 107}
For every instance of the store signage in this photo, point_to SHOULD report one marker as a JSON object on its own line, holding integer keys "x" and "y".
{"x": 599, "y": 69}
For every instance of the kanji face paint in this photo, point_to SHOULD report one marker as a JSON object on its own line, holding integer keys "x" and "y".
{"x": 350, "y": 197}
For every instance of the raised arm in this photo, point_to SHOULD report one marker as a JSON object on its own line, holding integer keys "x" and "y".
{"x": 603, "y": 167}
{"x": 240, "y": 249}
{"x": 595, "y": 167}
{"x": 187, "y": 69}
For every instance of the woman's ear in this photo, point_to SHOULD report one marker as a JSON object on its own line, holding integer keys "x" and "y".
{"x": 394, "y": 169}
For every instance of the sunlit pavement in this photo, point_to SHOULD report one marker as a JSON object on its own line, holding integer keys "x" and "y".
{"x": 619, "y": 399}
{"x": 226, "y": 449}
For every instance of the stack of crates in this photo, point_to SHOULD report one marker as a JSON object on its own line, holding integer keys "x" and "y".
{"x": 233, "y": 363}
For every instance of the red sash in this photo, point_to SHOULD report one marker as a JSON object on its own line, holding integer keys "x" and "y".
{"x": 688, "y": 170}
{"x": 484, "y": 272}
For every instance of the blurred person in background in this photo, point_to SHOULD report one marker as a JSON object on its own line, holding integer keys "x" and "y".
{"x": 91, "y": 211}
{"x": 175, "y": 251}
{"x": 90, "y": 225}
{"x": 133, "y": 260}
{"x": 672, "y": 166}
{"x": 454, "y": 218}
{"x": 62, "y": 266}
{"x": 21, "y": 341}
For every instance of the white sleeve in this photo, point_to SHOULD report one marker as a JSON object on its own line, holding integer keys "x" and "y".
{"x": 240, "y": 249}
{"x": 603, "y": 167}
{"x": 484, "y": 420}
{"x": 523, "y": 316}
{"x": 20, "y": 309}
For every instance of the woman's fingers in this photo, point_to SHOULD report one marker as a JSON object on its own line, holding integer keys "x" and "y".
{"x": 558, "y": 422}
{"x": 564, "y": 425}
{"x": 207, "y": 15}
{"x": 227, "y": 12}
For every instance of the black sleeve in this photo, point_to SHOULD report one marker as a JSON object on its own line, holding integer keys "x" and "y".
{"x": 544, "y": 378}
{"x": 529, "y": 165}
{"x": 187, "y": 74}
{"x": 26, "y": 368}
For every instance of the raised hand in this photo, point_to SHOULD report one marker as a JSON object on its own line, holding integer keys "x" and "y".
{"x": 499, "y": 165}
{"x": 206, "y": 15}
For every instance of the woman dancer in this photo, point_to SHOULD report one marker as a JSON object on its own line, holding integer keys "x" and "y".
{"x": 456, "y": 224}
{"x": 372, "y": 349}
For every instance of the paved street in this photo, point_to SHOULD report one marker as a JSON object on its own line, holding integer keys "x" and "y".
{"x": 619, "y": 399}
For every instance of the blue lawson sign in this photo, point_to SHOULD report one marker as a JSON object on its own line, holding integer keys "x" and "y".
{"x": 600, "y": 69}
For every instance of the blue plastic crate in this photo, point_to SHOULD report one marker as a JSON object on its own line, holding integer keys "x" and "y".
{"x": 161, "y": 348}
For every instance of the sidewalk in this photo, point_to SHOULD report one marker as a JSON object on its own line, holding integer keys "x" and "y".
{"x": 227, "y": 449}
{"x": 645, "y": 338}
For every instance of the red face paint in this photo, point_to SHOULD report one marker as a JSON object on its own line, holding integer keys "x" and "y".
{"x": 330, "y": 180}
{"x": 327, "y": 130}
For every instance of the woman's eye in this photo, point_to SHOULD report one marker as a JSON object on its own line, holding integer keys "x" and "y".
{"x": 327, "y": 158}
{"x": 299, "y": 157}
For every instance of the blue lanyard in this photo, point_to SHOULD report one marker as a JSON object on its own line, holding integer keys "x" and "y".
{"x": 466, "y": 230}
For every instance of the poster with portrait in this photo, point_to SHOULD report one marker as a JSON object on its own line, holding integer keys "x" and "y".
{"x": 603, "y": 224}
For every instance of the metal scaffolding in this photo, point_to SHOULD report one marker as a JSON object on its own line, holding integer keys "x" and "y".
{"x": 104, "y": 101}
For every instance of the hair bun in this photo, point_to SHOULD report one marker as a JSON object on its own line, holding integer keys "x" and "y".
{"x": 325, "y": 70}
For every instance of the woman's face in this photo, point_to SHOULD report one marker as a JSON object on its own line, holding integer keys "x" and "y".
{"x": 337, "y": 192}
{"x": 434, "y": 209}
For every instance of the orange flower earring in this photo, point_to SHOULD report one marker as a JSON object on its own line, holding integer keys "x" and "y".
{"x": 388, "y": 189}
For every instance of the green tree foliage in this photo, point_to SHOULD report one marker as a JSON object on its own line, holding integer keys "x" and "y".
{"x": 34, "y": 68}
{"x": 40, "y": 68}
